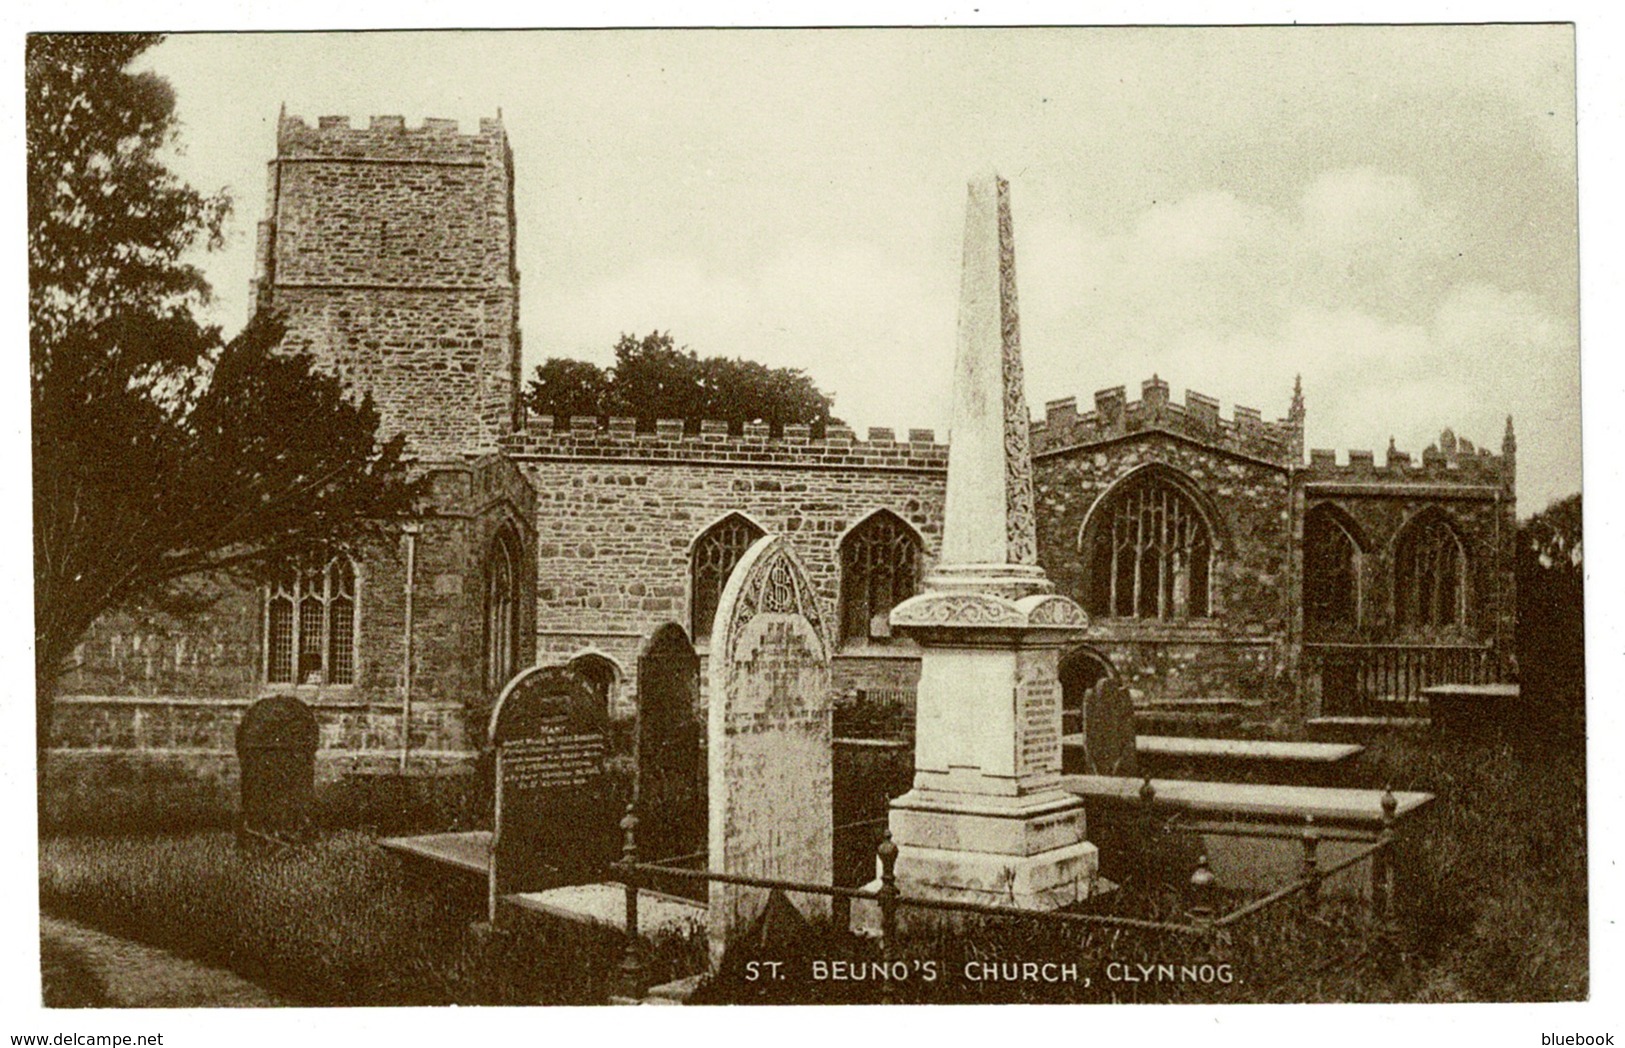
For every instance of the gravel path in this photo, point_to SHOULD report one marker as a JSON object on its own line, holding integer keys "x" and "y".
{"x": 137, "y": 976}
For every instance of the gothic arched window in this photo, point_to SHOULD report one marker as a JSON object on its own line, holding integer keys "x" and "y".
{"x": 1150, "y": 553}
{"x": 501, "y": 604}
{"x": 310, "y": 626}
{"x": 715, "y": 554}
{"x": 1331, "y": 571}
{"x": 880, "y": 567}
{"x": 1430, "y": 573}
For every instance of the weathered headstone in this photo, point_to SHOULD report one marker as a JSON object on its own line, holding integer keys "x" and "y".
{"x": 670, "y": 793}
{"x": 1108, "y": 729}
{"x": 555, "y": 820}
{"x": 1094, "y": 694}
{"x": 276, "y": 756}
{"x": 770, "y": 718}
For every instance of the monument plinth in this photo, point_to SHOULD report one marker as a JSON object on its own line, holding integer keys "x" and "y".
{"x": 986, "y": 820}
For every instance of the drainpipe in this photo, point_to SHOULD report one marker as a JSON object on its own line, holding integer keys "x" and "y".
{"x": 411, "y": 529}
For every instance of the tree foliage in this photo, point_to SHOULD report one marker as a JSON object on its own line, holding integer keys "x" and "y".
{"x": 160, "y": 451}
{"x": 653, "y": 378}
{"x": 1551, "y": 611}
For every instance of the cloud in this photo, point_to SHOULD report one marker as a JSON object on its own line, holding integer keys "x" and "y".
{"x": 1354, "y": 284}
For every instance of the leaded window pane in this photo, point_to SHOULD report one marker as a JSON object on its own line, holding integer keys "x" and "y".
{"x": 715, "y": 555}
{"x": 1152, "y": 555}
{"x": 501, "y": 597}
{"x": 1331, "y": 575}
{"x": 310, "y": 620}
{"x": 880, "y": 564}
{"x": 1430, "y": 573}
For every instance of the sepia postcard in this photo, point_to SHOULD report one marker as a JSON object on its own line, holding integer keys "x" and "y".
{"x": 867, "y": 517}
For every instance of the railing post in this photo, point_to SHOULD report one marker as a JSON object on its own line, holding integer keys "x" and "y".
{"x": 1148, "y": 820}
{"x": 1199, "y": 902}
{"x": 887, "y": 853}
{"x": 632, "y": 977}
{"x": 1311, "y": 863}
{"x": 1383, "y": 877}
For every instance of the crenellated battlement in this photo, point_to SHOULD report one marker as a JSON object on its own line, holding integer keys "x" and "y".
{"x": 386, "y": 139}
{"x": 1198, "y": 419}
{"x": 709, "y": 440}
{"x": 1451, "y": 459}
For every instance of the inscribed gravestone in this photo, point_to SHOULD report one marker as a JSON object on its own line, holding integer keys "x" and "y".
{"x": 276, "y": 756}
{"x": 555, "y": 819}
{"x": 671, "y": 811}
{"x": 770, "y": 712}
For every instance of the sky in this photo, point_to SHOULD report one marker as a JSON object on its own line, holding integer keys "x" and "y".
{"x": 1388, "y": 211}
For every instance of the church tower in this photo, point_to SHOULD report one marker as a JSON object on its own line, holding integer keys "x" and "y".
{"x": 390, "y": 251}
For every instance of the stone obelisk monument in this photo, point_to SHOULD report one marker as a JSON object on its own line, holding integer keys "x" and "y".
{"x": 987, "y": 820}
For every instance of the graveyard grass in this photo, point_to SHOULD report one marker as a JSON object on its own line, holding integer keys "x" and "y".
{"x": 1495, "y": 909}
{"x": 335, "y": 922}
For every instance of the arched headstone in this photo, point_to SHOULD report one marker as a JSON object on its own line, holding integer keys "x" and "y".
{"x": 670, "y": 792}
{"x": 769, "y": 739}
{"x": 276, "y": 757}
{"x": 555, "y": 820}
{"x": 1095, "y": 702}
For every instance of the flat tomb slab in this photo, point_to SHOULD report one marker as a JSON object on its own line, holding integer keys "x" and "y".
{"x": 469, "y": 850}
{"x": 1238, "y": 749}
{"x": 1362, "y": 727}
{"x": 604, "y": 905}
{"x": 1328, "y": 804}
{"x": 1252, "y": 834}
{"x": 1490, "y": 692}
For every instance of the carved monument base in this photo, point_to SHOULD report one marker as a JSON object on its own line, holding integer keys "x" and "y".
{"x": 1026, "y": 853}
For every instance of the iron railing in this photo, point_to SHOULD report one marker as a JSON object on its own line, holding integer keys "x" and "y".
{"x": 1368, "y": 680}
{"x": 1202, "y": 922}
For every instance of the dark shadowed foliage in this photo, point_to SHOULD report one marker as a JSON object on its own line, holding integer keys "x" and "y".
{"x": 654, "y": 378}
{"x": 1551, "y": 617}
{"x": 161, "y": 451}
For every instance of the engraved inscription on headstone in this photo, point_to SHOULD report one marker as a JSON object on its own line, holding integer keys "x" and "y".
{"x": 670, "y": 790}
{"x": 276, "y": 757}
{"x": 770, "y": 718}
{"x": 555, "y": 822}
{"x": 1038, "y": 723}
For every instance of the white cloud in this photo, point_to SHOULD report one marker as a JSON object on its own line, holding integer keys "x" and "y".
{"x": 1352, "y": 285}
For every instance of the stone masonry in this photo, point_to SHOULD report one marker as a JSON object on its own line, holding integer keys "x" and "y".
{"x": 618, "y": 512}
{"x": 390, "y": 250}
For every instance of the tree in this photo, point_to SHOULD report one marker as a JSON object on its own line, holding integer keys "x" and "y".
{"x": 563, "y": 387}
{"x": 653, "y": 378}
{"x": 1551, "y": 613}
{"x": 160, "y": 452}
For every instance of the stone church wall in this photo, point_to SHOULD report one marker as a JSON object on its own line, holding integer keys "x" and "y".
{"x": 618, "y": 512}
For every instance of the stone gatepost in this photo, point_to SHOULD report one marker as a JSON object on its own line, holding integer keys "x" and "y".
{"x": 987, "y": 820}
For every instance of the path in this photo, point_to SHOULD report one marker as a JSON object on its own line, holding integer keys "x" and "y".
{"x": 137, "y": 976}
